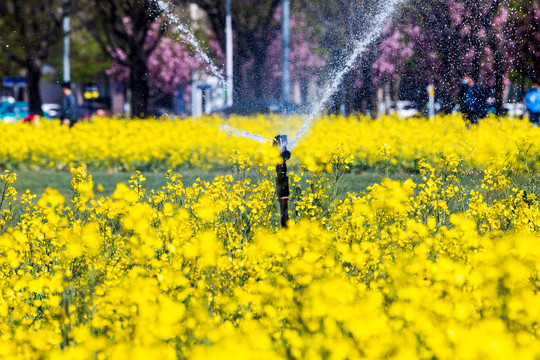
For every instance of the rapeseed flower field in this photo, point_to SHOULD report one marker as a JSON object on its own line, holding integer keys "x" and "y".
{"x": 390, "y": 143}
{"x": 406, "y": 270}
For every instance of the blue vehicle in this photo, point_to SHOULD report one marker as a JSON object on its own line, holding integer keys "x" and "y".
{"x": 11, "y": 112}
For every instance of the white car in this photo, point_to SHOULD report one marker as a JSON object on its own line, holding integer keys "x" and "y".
{"x": 406, "y": 109}
{"x": 51, "y": 110}
{"x": 515, "y": 109}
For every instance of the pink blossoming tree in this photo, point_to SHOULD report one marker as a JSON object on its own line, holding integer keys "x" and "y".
{"x": 440, "y": 41}
{"x": 170, "y": 65}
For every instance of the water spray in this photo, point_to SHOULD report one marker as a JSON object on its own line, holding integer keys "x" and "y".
{"x": 375, "y": 25}
{"x": 189, "y": 37}
{"x": 282, "y": 180}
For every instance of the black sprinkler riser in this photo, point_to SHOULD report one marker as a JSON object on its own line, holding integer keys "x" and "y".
{"x": 282, "y": 180}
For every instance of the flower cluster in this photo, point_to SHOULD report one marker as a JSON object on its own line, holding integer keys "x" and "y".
{"x": 404, "y": 270}
{"x": 389, "y": 144}
{"x": 8, "y": 197}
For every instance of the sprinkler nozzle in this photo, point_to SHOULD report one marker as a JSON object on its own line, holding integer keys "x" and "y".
{"x": 286, "y": 155}
{"x": 280, "y": 142}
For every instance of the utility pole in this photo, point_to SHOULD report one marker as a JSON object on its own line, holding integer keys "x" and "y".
{"x": 229, "y": 51}
{"x": 285, "y": 18}
{"x": 66, "y": 68}
{"x": 431, "y": 96}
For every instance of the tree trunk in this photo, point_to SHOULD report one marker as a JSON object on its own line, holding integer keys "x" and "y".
{"x": 349, "y": 93}
{"x": 259, "y": 75}
{"x": 368, "y": 93}
{"x": 140, "y": 91}
{"x": 33, "y": 67}
{"x": 447, "y": 88}
{"x": 499, "y": 83}
{"x": 498, "y": 69}
{"x": 477, "y": 62}
{"x": 239, "y": 80}
{"x": 380, "y": 102}
{"x": 475, "y": 41}
{"x": 387, "y": 100}
{"x": 395, "y": 93}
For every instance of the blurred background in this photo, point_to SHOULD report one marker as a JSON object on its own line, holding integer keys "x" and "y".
{"x": 140, "y": 58}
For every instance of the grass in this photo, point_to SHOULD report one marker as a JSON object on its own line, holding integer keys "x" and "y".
{"x": 38, "y": 181}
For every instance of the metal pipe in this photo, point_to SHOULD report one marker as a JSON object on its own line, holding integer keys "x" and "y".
{"x": 286, "y": 34}
{"x": 282, "y": 179}
{"x": 229, "y": 54}
{"x": 66, "y": 67}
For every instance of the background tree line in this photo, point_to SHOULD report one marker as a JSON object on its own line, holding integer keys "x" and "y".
{"x": 432, "y": 42}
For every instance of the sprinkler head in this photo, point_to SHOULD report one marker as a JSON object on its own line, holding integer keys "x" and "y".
{"x": 281, "y": 142}
{"x": 286, "y": 155}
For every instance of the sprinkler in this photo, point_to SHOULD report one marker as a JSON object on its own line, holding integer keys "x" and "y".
{"x": 282, "y": 180}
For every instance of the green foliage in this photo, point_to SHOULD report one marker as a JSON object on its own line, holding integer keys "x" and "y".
{"x": 87, "y": 59}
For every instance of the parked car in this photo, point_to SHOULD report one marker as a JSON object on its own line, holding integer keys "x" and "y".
{"x": 247, "y": 107}
{"x": 406, "y": 109}
{"x": 11, "y": 112}
{"x": 51, "y": 111}
{"x": 515, "y": 109}
{"x": 10, "y": 99}
{"x": 403, "y": 108}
